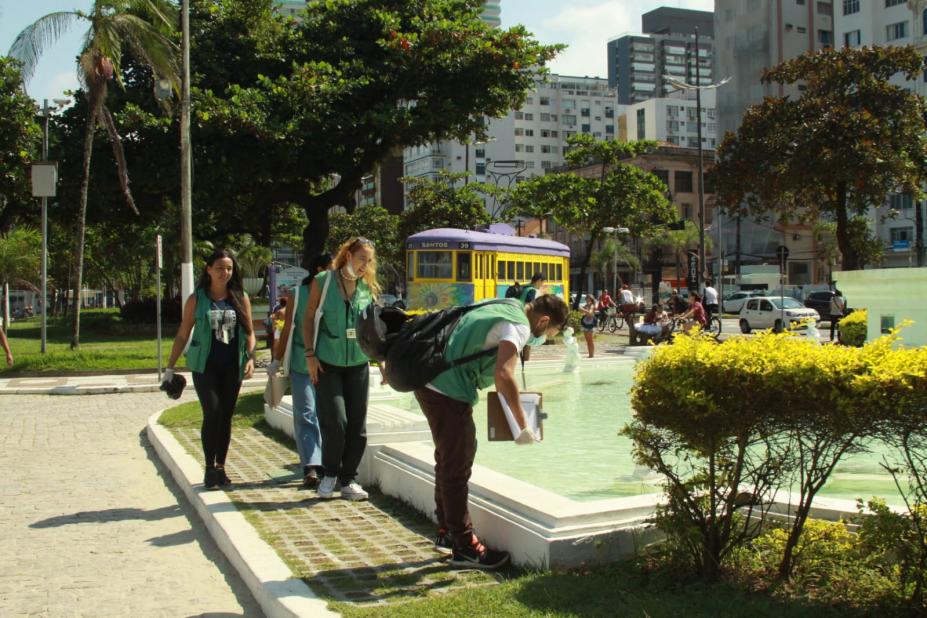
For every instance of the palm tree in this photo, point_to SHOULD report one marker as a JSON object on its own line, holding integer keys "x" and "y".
{"x": 614, "y": 252}
{"x": 139, "y": 28}
{"x": 677, "y": 241}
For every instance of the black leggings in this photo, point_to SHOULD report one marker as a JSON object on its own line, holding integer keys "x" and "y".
{"x": 217, "y": 388}
{"x": 341, "y": 398}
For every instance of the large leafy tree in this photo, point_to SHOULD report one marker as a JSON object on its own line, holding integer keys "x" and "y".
{"x": 140, "y": 28}
{"x": 850, "y": 138}
{"x": 378, "y": 225}
{"x": 617, "y": 194}
{"x": 441, "y": 202}
{"x": 20, "y": 138}
{"x": 357, "y": 79}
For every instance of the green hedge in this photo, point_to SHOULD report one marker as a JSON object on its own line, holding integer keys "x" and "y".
{"x": 756, "y": 413}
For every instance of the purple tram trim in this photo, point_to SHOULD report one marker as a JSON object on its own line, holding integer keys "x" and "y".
{"x": 450, "y": 239}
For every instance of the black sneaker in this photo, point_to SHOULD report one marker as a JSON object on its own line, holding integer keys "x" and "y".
{"x": 211, "y": 478}
{"x": 311, "y": 478}
{"x": 444, "y": 543}
{"x": 222, "y": 479}
{"x": 478, "y": 556}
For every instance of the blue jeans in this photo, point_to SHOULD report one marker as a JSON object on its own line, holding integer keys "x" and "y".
{"x": 305, "y": 420}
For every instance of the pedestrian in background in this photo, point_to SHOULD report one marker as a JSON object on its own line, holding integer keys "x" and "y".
{"x": 290, "y": 349}
{"x": 588, "y": 323}
{"x": 337, "y": 366}
{"x": 220, "y": 355}
{"x": 838, "y": 308}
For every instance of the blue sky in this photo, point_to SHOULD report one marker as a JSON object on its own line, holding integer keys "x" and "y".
{"x": 585, "y": 25}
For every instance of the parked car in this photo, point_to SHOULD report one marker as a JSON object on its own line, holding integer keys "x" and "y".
{"x": 767, "y": 312}
{"x": 391, "y": 300}
{"x": 735, "y": 302}
{"x": 820, "y": 302}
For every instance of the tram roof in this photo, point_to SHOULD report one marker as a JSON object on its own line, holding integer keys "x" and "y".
{"x": 451, "y": 238}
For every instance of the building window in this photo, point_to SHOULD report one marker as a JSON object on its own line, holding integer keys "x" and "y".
{"x": 801, "y": 30}
{"x": 554, "y": 133}
{"x": 519, "y": 115}
{"x": 800, "y": 2}
{"x": 901, "y": 234}
{"x": 825, "y": 38}
{"x": 480, "y": 168}
{"x": 889, "y": 3}
{"x": 545, "y": 100}
{"x": 545, "y": 117}
{"x": 480, "y": 153}
{"x": 851, "y": 39}
{"x": 893, "y": 32}
{"x": 609, "y": 112}
{"x": 529, "y": 132}
{"x": 529, "y": 148}
{"x": 683, "y": 181}
{"x": 519, "y": 147}
{"x": 529, "y": 116}
{"x": 900, "y": 201}
{"x": 545, "y": 148}
{"x": 610, "y": 129}
{"x": 529, "y": 165}
{"x": 584, "y": 112}
{"x": 641, "y": 123}
{"x": 586, "y": 128}
{"x": 569, "y": 119}
{"x": 435, "y": 265}
{"x": 825, "y": 8}
{"x": 850, "y": 7}
{"x": 530, "y": 101}
{"x": 546, "y": 165}
{"x": 886, "y": 323}
{"x": 663, "y": 175}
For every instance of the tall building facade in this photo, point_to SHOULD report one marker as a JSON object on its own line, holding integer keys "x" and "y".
{"x": 750, "y": 36}
{"x": 637, "y": 64}
{"x": 671, "y": 120}
{"x": 290, "y": 8}
{"x": 529, "y": 141}
{"x": 492, "y": 13}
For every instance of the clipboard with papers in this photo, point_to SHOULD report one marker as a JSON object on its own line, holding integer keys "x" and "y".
{"x": 501, "y": 422}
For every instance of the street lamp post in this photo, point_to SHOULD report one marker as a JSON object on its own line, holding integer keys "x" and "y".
{"x": 698, "y": 87}
{"x": 46, "y": 116}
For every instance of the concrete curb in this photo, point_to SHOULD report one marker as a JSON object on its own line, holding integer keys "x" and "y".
{"x": 269, "y": 579}
{"x": 77, "y": 389}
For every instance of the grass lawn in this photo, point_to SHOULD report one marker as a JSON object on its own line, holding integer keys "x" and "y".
{"x": 248, "y": 412}
{"x": 107, "y": 343}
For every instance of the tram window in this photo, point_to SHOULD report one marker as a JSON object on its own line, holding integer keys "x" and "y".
{"x": 537, "y": 269}
{"x": 463, "y": 266}
{"x": 519, "y": 271}
{"x": 559, "y": 272}
{"x": 500, "y": 264}
{"x": 510, "y": 270}
{"x": 410, "y": 266}
{"x": 544, "y": 271}
{"x": 435, "y": 265}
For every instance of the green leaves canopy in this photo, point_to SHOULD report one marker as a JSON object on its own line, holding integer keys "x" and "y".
{"x": 20, "y": 138}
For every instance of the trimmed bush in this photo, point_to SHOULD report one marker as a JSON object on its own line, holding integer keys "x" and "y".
{"x": 853, "y": 328}
{"x": 761, "y": 413}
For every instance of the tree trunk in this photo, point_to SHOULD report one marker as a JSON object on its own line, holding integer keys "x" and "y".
{"x": 849, "y": 258}
{"x": 93, "y": 111}
{"x": 582, "y": 269}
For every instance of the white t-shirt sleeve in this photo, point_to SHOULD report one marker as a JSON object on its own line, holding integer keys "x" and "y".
{"x": 517, "y": 334}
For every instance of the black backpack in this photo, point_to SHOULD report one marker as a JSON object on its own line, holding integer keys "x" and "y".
{"x": 515, "y": 290}
{"x": 413, "y": 349}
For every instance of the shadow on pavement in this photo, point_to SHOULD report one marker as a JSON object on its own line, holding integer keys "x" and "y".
{"x": 108, "y": 515}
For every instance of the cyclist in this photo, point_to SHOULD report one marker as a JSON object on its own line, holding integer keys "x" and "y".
{"x": 695, "y": 316}
{"x": 711, "y": 301}
{"x": 605, "y": 301}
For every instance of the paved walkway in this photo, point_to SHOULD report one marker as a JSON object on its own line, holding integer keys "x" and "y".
{"x": 369, "y": 553}
{"x": 98, "y": 384}
{"x": 91, "y": 523}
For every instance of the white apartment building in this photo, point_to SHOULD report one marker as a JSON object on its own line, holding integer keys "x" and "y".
{"x": 888, "y": 22}
{"x": 290, "y": 8}
{"x": 529, "y": 141}
{"x": 672, "y": 120}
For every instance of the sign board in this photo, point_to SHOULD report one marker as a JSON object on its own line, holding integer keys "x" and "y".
{"x": 158, "y": 260}
{"x": 44, "y": 179}
{"x": 782, "y": 253}
{"x": 901, "y": 245}
{"x": 692, "y": 271}
{"x": 290, "y": 277}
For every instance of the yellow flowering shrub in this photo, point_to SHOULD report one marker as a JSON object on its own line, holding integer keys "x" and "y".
{"x": 853, "y": 328}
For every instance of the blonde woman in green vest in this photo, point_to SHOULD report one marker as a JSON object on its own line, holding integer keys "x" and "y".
{"x": 290, "y": 349}
{"x": 221, "y": 355}
{"x": 336, "y": 364}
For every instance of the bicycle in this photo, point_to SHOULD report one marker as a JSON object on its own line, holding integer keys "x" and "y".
{"x": 612, "y": 320}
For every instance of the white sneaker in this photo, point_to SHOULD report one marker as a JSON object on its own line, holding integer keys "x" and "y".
{"x": 353, "y": 491}
{"x": 327, "y": 487}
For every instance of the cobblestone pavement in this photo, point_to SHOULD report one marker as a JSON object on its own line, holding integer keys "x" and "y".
{"x": 372, "y": 552}
{"x": 90, "y": 525}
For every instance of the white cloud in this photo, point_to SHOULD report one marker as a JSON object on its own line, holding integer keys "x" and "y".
{"x": 588, "y": 25}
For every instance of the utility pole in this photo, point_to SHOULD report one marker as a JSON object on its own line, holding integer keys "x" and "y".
{"x": 701, "y": 170}
{"x": 186, "y": 165}
{"x": 919, "y": 233}
{"x": 46, "y": 112}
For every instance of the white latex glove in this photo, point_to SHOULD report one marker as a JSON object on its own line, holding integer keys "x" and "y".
{"x": 273, "y": 368}
{"x": 167, "y": 375}
{"x": 526, "y": 437}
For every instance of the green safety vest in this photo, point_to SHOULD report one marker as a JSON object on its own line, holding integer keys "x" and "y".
{"x": 469, "y": 336}
{"x": 298, "y": 352}
{"x": 201, "y": 341}
{"x": 333, "y": 346}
